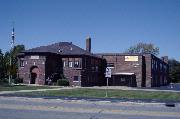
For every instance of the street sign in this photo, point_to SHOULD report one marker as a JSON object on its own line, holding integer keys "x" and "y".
{"x": 108, "y": 72}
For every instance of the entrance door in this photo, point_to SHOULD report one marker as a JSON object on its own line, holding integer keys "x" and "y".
{"x": 33, "y": 78}
{"x": 34, "y": 71}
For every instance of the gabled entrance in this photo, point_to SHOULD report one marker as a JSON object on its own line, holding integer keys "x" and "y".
{"x": 34, "y": 75}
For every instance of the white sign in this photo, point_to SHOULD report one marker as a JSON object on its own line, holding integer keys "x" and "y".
{"x": 108, "y": 72}
{"x": 131, "y": 58}
{"x": 34, "y": 57}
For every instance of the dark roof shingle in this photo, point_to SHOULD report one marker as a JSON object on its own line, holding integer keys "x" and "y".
{"x": 61, "y": 48}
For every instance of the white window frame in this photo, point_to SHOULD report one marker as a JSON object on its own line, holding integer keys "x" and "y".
{"x": 21, "y": 63}
{"x": 64, "y": 63}
{"x": 76, "y": 63}
{"x": 70, "y": 63}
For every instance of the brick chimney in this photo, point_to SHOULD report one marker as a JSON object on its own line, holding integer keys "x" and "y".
{"x": 165, "y": 59}
{"x": 88, "y": 44}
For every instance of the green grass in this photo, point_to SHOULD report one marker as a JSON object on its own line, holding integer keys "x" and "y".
{"x": 22, "y": 87}
{"x": 100, "y": 93}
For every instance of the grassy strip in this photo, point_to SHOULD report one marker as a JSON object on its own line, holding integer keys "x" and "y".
{"x": 100, "y": 93}
{"x": 22, "y": 87}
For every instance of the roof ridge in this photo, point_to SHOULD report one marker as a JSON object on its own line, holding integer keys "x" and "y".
{"x": 61, "y": 48}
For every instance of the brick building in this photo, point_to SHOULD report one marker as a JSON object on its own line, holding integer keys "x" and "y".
{"x": 82, "y": 68}
{"x": 59, "y": 60}
{"x": 138, "y": 70}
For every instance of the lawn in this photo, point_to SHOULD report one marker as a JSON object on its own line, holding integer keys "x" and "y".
{"x": 22, "y": 87}
{"x": 100, "y": 93}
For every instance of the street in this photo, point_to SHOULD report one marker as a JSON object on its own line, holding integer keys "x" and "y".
{"x": 38, "y": 108}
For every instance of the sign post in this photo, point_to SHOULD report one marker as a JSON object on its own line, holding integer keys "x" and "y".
{"x": 108, "y": 75}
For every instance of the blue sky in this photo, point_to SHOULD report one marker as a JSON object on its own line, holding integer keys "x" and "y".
{"x": 113, "y": 25}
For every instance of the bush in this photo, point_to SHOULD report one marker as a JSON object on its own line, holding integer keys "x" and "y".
{"x": 18, "y": 80}
{"x": 3, "y": 81}
{"x": 62, "y": 82}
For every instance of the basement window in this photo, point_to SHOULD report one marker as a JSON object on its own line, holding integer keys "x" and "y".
{"x": 76, "y": 79}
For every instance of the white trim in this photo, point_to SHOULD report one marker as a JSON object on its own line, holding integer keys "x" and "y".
{"x": 123, "y": 73}
{"x": 111, "y": 67}
{"x": 76, "y": 81}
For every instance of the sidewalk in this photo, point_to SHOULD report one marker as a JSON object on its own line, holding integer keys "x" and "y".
{"x": 11, "y": 92}
{"x": 134, "y": 88}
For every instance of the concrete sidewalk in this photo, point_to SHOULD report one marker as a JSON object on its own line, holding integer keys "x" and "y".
{"x": 132, "y": 88}
{"x": 11, "y": 92}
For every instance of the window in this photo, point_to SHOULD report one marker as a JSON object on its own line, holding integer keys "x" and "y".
{"x": 152, "y": 66}
{"x": 96, "y": 68}
{"x": 64, "y": 63}
{"x": 96, "y": 62}
{"x": 152, "y": 63}
{"x": 123, "y": 79}
{"x": 93, "y": 68}
{"x": 165, "y": 68}
{"x": 70, "y": 64}
{"x": 76, "y": 64}
{"x": 76, "y": 78}
{"x": 92, "y": 61}
{"x": 161, "y": 68}
{"x": 21, "y": 63}
{"x": 156, "y": 65}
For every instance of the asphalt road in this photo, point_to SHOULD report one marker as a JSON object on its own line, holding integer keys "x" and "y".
{"x": 37, "y": 108}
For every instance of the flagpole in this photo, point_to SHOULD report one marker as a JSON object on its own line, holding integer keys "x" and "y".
{"x": 10, "y": 59}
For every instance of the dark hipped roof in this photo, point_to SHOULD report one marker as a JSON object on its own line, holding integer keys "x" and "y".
{"x": 61, "y": 48}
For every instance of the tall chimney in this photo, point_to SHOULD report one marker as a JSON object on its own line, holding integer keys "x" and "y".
{"x": 88, "y": 44}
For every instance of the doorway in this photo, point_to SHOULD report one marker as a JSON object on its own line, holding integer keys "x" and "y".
{"x": 34, "y": 72}
{"x": 33, "y": 78}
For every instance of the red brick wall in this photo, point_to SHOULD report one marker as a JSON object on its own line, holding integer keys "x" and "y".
{"x": 122, "y": 66}
{"x": 24, "y": 72}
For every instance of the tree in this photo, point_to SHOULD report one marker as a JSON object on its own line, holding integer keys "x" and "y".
{"x": 14, "y": 52}
{"x": 5, "y": 67}
{"x": 143, "y": 48}
{"x": 6, "y": 63}
{"x": 174, "y": 70}
{"x": 14, "y": 62}
{"x": 2, "y": 66}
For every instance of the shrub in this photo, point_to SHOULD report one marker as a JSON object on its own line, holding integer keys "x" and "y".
{"x": 3, "y": 81}
{"x": 62, "y": 82}
{"x": 18, "y": 80}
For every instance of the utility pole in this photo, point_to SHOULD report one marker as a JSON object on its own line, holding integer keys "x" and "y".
{"x": 10, "y": 59}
